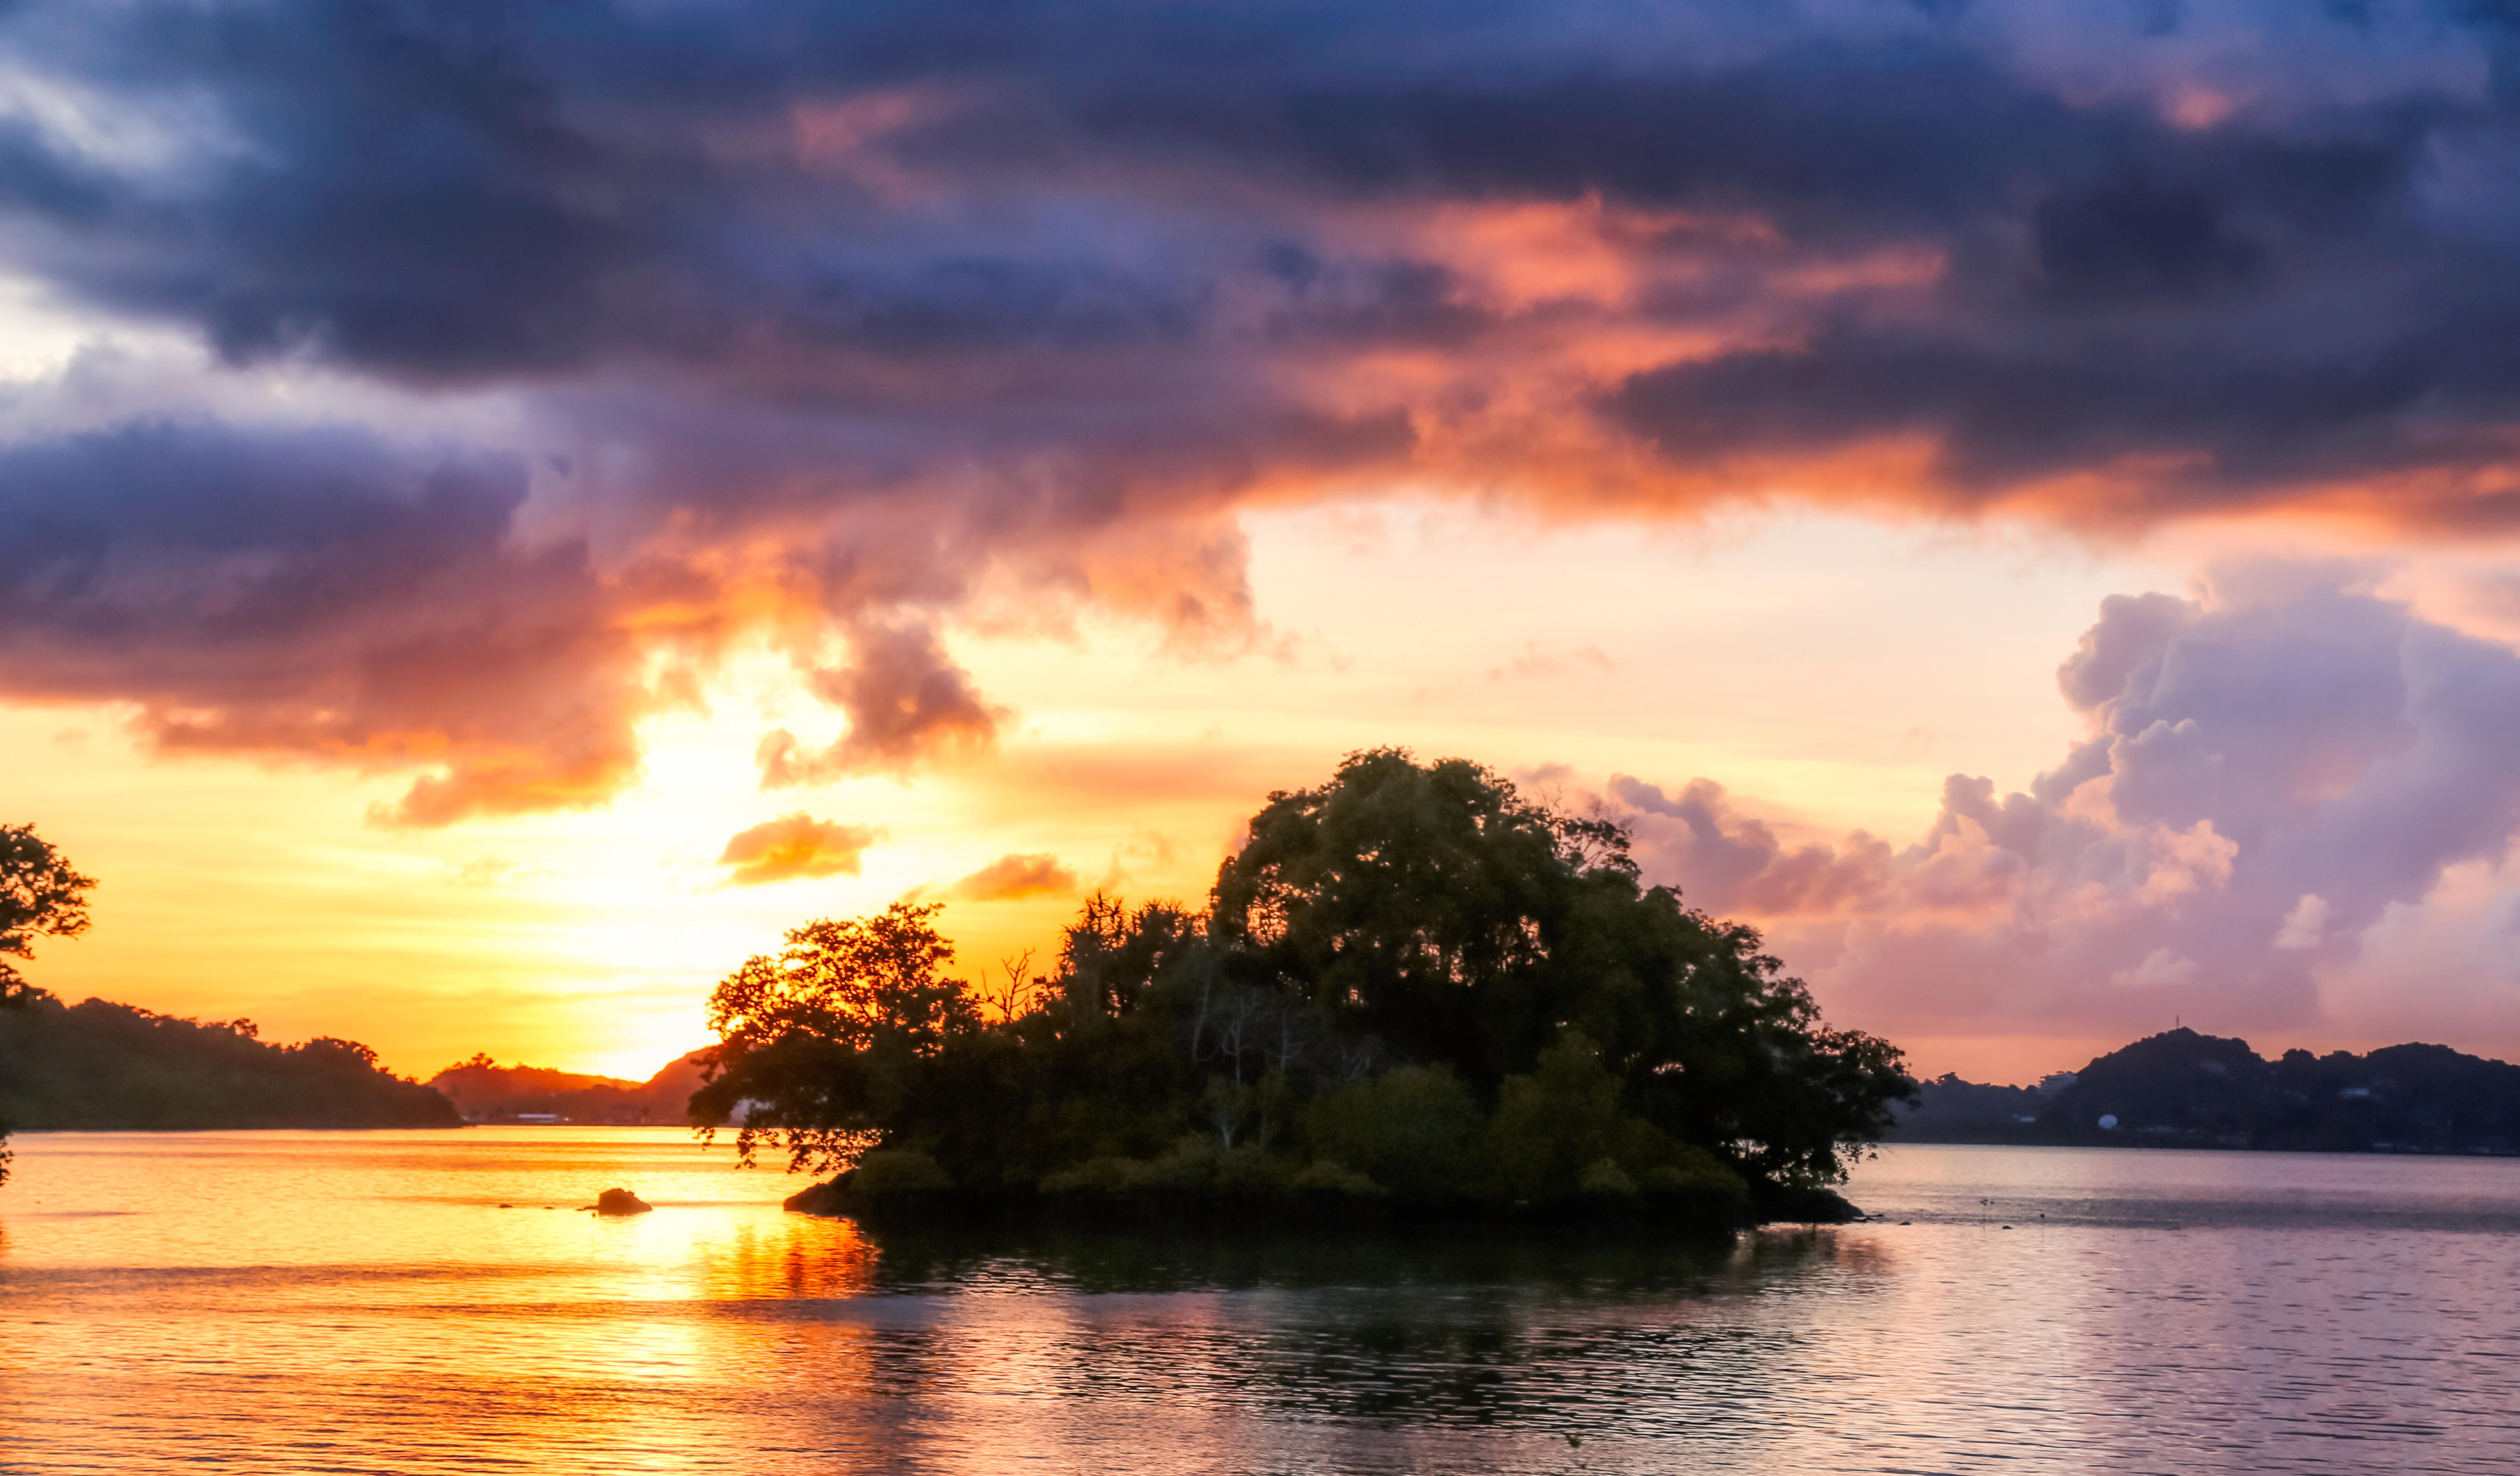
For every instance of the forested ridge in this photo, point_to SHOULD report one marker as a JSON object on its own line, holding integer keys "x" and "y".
{"x": 102, "y": 1065}
{"x": 1412, "y": 992}
{"x": 2182, "y": 1088}
{"x": 485, "y": 1092}
{"x": 98, "y": 1065}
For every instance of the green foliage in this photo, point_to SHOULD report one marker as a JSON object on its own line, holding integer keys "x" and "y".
{"x": 1413, "y": 1130}
{"x": 1194, "y": 1168}
{"x": 1566, "y": 1131}
{"x": 1411, "y": 987}
{"x": 900, "y": 1171}
{"x": 1420, "y": 905}
{"x": 1330, "y": 1179}
{"x": 1564, "y": 1125}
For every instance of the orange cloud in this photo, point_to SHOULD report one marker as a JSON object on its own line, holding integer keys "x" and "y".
{"x": 906, "y": 702}
{"x": 796, "y": 847}
{"x": 1012, "y": 877}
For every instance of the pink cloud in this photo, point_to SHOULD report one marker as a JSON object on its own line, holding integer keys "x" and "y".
{"x": 2273, "y": 773}
{"x": 1014, "y": 876}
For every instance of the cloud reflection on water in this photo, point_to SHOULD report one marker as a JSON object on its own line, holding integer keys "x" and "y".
{"x": 360, "y": 1302}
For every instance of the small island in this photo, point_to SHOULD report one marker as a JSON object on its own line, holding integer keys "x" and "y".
{"x": 1413, "y": 996}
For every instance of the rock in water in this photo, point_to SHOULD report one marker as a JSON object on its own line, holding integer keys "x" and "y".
{"x": 620, "y": 1202}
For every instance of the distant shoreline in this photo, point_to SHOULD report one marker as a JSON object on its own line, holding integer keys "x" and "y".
{"x": 2185, "y": 1090}
{"x": 2159, "y": 1142}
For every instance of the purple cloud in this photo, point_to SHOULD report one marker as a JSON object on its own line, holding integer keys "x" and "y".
{"x": 862, "y": 306}
{"x": 2273, "y": 773}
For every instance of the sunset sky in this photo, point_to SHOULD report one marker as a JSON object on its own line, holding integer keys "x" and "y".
{"x": 505, "y": 508}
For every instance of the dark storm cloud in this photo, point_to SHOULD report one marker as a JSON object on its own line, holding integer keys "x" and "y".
{"x": 459, "y": 191}
{"x": 915, "y": 296}
{"x": 2229, "y": 423}
{"x": 1822, "y": 138}
{"x": 317, "y": 594}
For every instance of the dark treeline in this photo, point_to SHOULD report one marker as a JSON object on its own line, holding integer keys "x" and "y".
{"x": 2184, "y": 1090}
{"x": 99, "y": 1065}
{"x": 483, "y": 1090}
{"x": 1411, "y": 993}
{"x": 41, "y": 896}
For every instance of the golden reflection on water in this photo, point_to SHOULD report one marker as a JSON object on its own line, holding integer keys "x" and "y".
{"x": 799, "y": 1256}
{"x": 363, "y": 1303}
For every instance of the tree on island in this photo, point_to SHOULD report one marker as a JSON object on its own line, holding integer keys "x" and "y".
{"x": 40, "y": 896}
{"x": 1412, "y": 988}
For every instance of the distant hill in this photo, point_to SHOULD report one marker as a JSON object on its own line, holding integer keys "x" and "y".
{"x": 2180, "y": 1089}
{"x": 485, "y": 1091}
{"x": 99, "y": 1065}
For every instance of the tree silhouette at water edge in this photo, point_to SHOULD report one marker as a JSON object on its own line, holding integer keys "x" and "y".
{"x": 40, "y": 896}
{"x": 1411, "y": 995}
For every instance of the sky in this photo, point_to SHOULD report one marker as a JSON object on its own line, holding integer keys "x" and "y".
{"x": 506, "y": 509}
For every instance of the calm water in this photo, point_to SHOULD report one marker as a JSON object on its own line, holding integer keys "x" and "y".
{"x": 362, "y": 1302}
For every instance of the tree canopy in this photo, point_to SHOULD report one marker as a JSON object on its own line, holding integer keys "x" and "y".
{"x": 833, "y": 1023}
{"x": 1411, "y": 986}
{"x": 40, "y": 895}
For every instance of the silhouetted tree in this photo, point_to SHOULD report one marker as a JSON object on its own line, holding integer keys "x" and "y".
{"x": 101, "y": 1066}
{"x": 1433, "y": 909}
{"x": 1109, "y": 957}
{"x": 39, "y": 896}
{"x": 813, "y": 1042}
{"x": 1409, "y": 981}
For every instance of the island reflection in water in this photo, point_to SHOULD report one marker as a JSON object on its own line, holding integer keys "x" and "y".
{"x": 361, "y": 1302}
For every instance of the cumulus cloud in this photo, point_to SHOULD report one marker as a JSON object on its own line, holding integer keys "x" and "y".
{"x": 904, "y": 701}
{"x": 1012, "y": 875}
{"x": 2306, "y": 925}
{"x": 795, "y": 847}
{"x": 839, "y": 318}
{"x": 1736, "y": 863}
{"x": 2279, "y": 777}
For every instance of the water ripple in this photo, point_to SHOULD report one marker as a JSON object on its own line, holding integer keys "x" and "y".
{"x": 361, "y": 1303}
